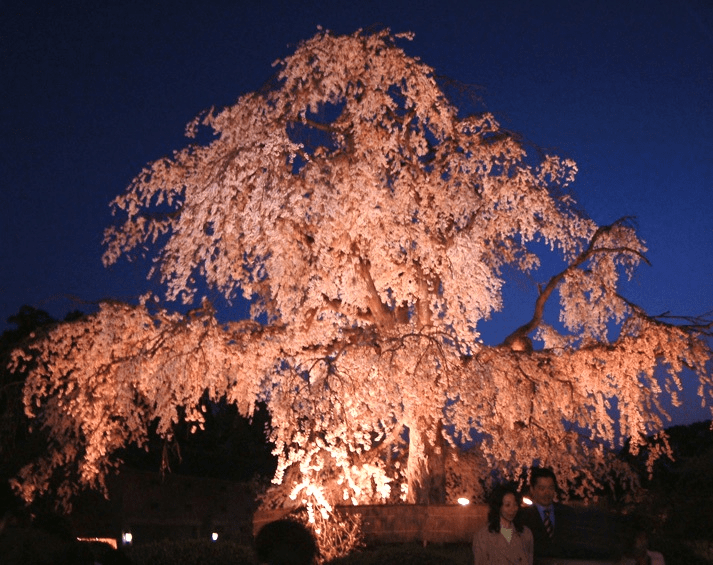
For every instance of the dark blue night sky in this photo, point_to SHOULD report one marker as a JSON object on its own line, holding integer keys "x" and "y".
{"x": 92, "y": 91}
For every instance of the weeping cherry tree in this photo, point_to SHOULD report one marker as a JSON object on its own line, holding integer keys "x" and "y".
{"x": 372, "y": 226}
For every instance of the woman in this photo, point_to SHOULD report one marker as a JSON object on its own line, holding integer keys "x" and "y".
{"x": 504, "y": 541}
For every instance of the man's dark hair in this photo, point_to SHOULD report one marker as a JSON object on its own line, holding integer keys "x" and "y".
{"x": 540, "y": 472}
{"x": 285, "y": 542}
{"x": 495, "y": 503}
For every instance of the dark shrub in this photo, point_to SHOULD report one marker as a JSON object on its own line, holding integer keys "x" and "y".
{"x": 191, "y": 552}
{"x": 409, "y": 554}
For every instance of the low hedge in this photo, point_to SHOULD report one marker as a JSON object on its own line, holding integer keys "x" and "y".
{"x": 202, "y": 552}
{"x": 190, "y": 552}
{"x": 410, "y": 554}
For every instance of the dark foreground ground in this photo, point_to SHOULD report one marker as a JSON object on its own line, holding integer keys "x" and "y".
{"x": 29, "y": 547}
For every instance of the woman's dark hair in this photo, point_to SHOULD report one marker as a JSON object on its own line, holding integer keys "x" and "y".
{"x": 496, "y": 502}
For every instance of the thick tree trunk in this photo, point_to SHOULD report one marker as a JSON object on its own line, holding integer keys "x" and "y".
{"x": 426, "y": 469}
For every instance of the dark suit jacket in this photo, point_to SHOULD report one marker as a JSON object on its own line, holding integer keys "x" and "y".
{"x": 560, "y": 543}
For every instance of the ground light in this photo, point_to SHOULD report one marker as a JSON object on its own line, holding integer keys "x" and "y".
{"x": 108, "y": 541}
{"x": 463, "y": 501}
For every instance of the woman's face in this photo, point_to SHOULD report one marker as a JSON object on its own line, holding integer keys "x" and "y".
{"x": 509, "y": 507}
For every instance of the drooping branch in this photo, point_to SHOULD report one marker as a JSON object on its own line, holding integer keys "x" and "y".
{"x": 521, "y": 334}
{"x": 701, "y": 324}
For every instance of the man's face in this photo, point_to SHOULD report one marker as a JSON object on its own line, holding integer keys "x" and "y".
{"x": 543, "y": 492}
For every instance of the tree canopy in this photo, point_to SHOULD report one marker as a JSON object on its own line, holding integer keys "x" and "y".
{"x": 372, "y": 225}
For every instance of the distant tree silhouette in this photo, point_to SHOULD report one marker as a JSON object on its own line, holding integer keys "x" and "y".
{"x": 17, "y": 446}
{"x": 230, "y": 447}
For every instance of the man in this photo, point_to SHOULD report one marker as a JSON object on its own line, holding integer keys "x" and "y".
{"x": 549, "y": 521}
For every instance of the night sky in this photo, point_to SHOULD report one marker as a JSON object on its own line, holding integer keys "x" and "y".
{"x": 92, "y": 91}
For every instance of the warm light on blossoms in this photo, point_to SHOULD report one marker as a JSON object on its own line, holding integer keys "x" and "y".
{"x": 375, "y": 227}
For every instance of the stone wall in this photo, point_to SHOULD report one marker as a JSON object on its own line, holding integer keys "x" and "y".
{"x": 434, "y": 523}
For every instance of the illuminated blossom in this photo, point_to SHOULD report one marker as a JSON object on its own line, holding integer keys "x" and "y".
{"x": 372, "y": 226}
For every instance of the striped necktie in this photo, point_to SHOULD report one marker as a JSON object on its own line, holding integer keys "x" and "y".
{"x": 548, "y": 524}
